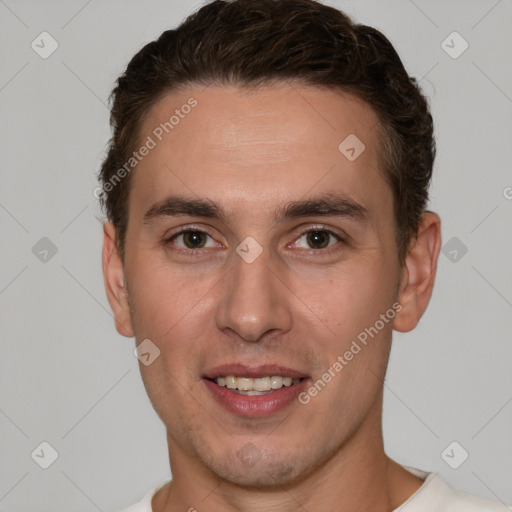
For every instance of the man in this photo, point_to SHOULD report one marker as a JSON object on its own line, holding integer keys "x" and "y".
{"x": 266, "y": 189}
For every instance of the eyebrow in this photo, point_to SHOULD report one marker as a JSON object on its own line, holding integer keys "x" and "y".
{"x": 326, "y": 205}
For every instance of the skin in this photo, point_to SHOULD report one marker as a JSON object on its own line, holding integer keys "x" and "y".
{"x": 297, "y": 306}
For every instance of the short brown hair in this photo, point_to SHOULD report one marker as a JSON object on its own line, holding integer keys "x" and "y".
{"x": 251, "y": 43}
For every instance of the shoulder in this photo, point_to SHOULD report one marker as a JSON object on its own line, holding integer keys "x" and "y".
{"x": 469, "y": 503}
{"x": 435, "y": 495}
{"x": 144, "y": 505}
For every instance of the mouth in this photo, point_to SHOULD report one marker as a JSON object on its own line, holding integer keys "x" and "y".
{"x": 255, "y": 387}
{"x": 255, "y": 392}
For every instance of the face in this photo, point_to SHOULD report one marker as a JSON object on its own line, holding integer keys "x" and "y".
{"x": 273, "y": 259}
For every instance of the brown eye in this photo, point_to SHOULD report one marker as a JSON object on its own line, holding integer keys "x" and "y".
{"x": 318, "y": 239}
{"x": 194, "y": 239}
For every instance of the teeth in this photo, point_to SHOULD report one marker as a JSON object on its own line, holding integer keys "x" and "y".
{"x": 230, "y": 382}
{"x": 262, "y": 384}
{"x": 276, "y": 382}
{"x": 244, "y": 384}
{"x": 256, "y": 386}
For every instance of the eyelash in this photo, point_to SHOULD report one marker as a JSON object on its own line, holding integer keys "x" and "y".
{"x": 199, "y": 252}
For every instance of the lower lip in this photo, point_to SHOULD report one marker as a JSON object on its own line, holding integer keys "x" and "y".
{"x": 257, "y": 406}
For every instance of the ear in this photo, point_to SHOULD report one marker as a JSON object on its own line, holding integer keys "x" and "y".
{"x": 115, "y": 284}
{"x": 418, "y": 273}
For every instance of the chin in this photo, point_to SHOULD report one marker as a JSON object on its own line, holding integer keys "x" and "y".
{"x": 260, "y": 476}
{"x": 250, "y": 469}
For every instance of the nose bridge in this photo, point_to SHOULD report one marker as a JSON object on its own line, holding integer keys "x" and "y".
{"x": 253, "y": 299}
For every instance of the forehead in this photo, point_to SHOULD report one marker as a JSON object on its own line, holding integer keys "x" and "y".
{"x": 260, "y": 146}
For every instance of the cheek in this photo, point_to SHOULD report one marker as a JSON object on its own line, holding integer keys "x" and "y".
{"x": 170, "y": 308}
{"x": 163, "y": 294}
{"x": 348, "y": 299}
{"x": 357, "y": 346}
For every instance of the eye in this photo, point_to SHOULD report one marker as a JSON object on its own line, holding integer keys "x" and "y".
{"x": 192, "y": 239}
{"x": 318, "y": 239}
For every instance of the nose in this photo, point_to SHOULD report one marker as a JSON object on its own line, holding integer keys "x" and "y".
{"x": 255, "y": 301}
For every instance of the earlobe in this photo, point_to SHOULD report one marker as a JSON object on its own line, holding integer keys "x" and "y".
{"x": 114, "y": 279}
{"x": 418, "y": 273}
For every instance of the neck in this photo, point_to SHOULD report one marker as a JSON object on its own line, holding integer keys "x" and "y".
{"x": 358, "y": 476}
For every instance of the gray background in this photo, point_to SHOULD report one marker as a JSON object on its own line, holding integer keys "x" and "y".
{"x": 67, "y": 377}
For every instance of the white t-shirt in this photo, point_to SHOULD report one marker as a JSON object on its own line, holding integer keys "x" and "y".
{"x": 433, "y": 496}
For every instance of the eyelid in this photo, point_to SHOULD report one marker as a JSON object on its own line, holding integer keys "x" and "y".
{"x": 185, "y": 229}
{"x": 322, "y": 227}
{"x": 189, "y": 227}
{"x": 340, "y": 238}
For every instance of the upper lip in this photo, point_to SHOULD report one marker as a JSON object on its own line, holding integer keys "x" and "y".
{"x": 240, "y": 370}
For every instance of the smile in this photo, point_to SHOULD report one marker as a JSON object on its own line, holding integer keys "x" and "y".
{"x": 255, "y": 392}
{"x": 255, "y": 386}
